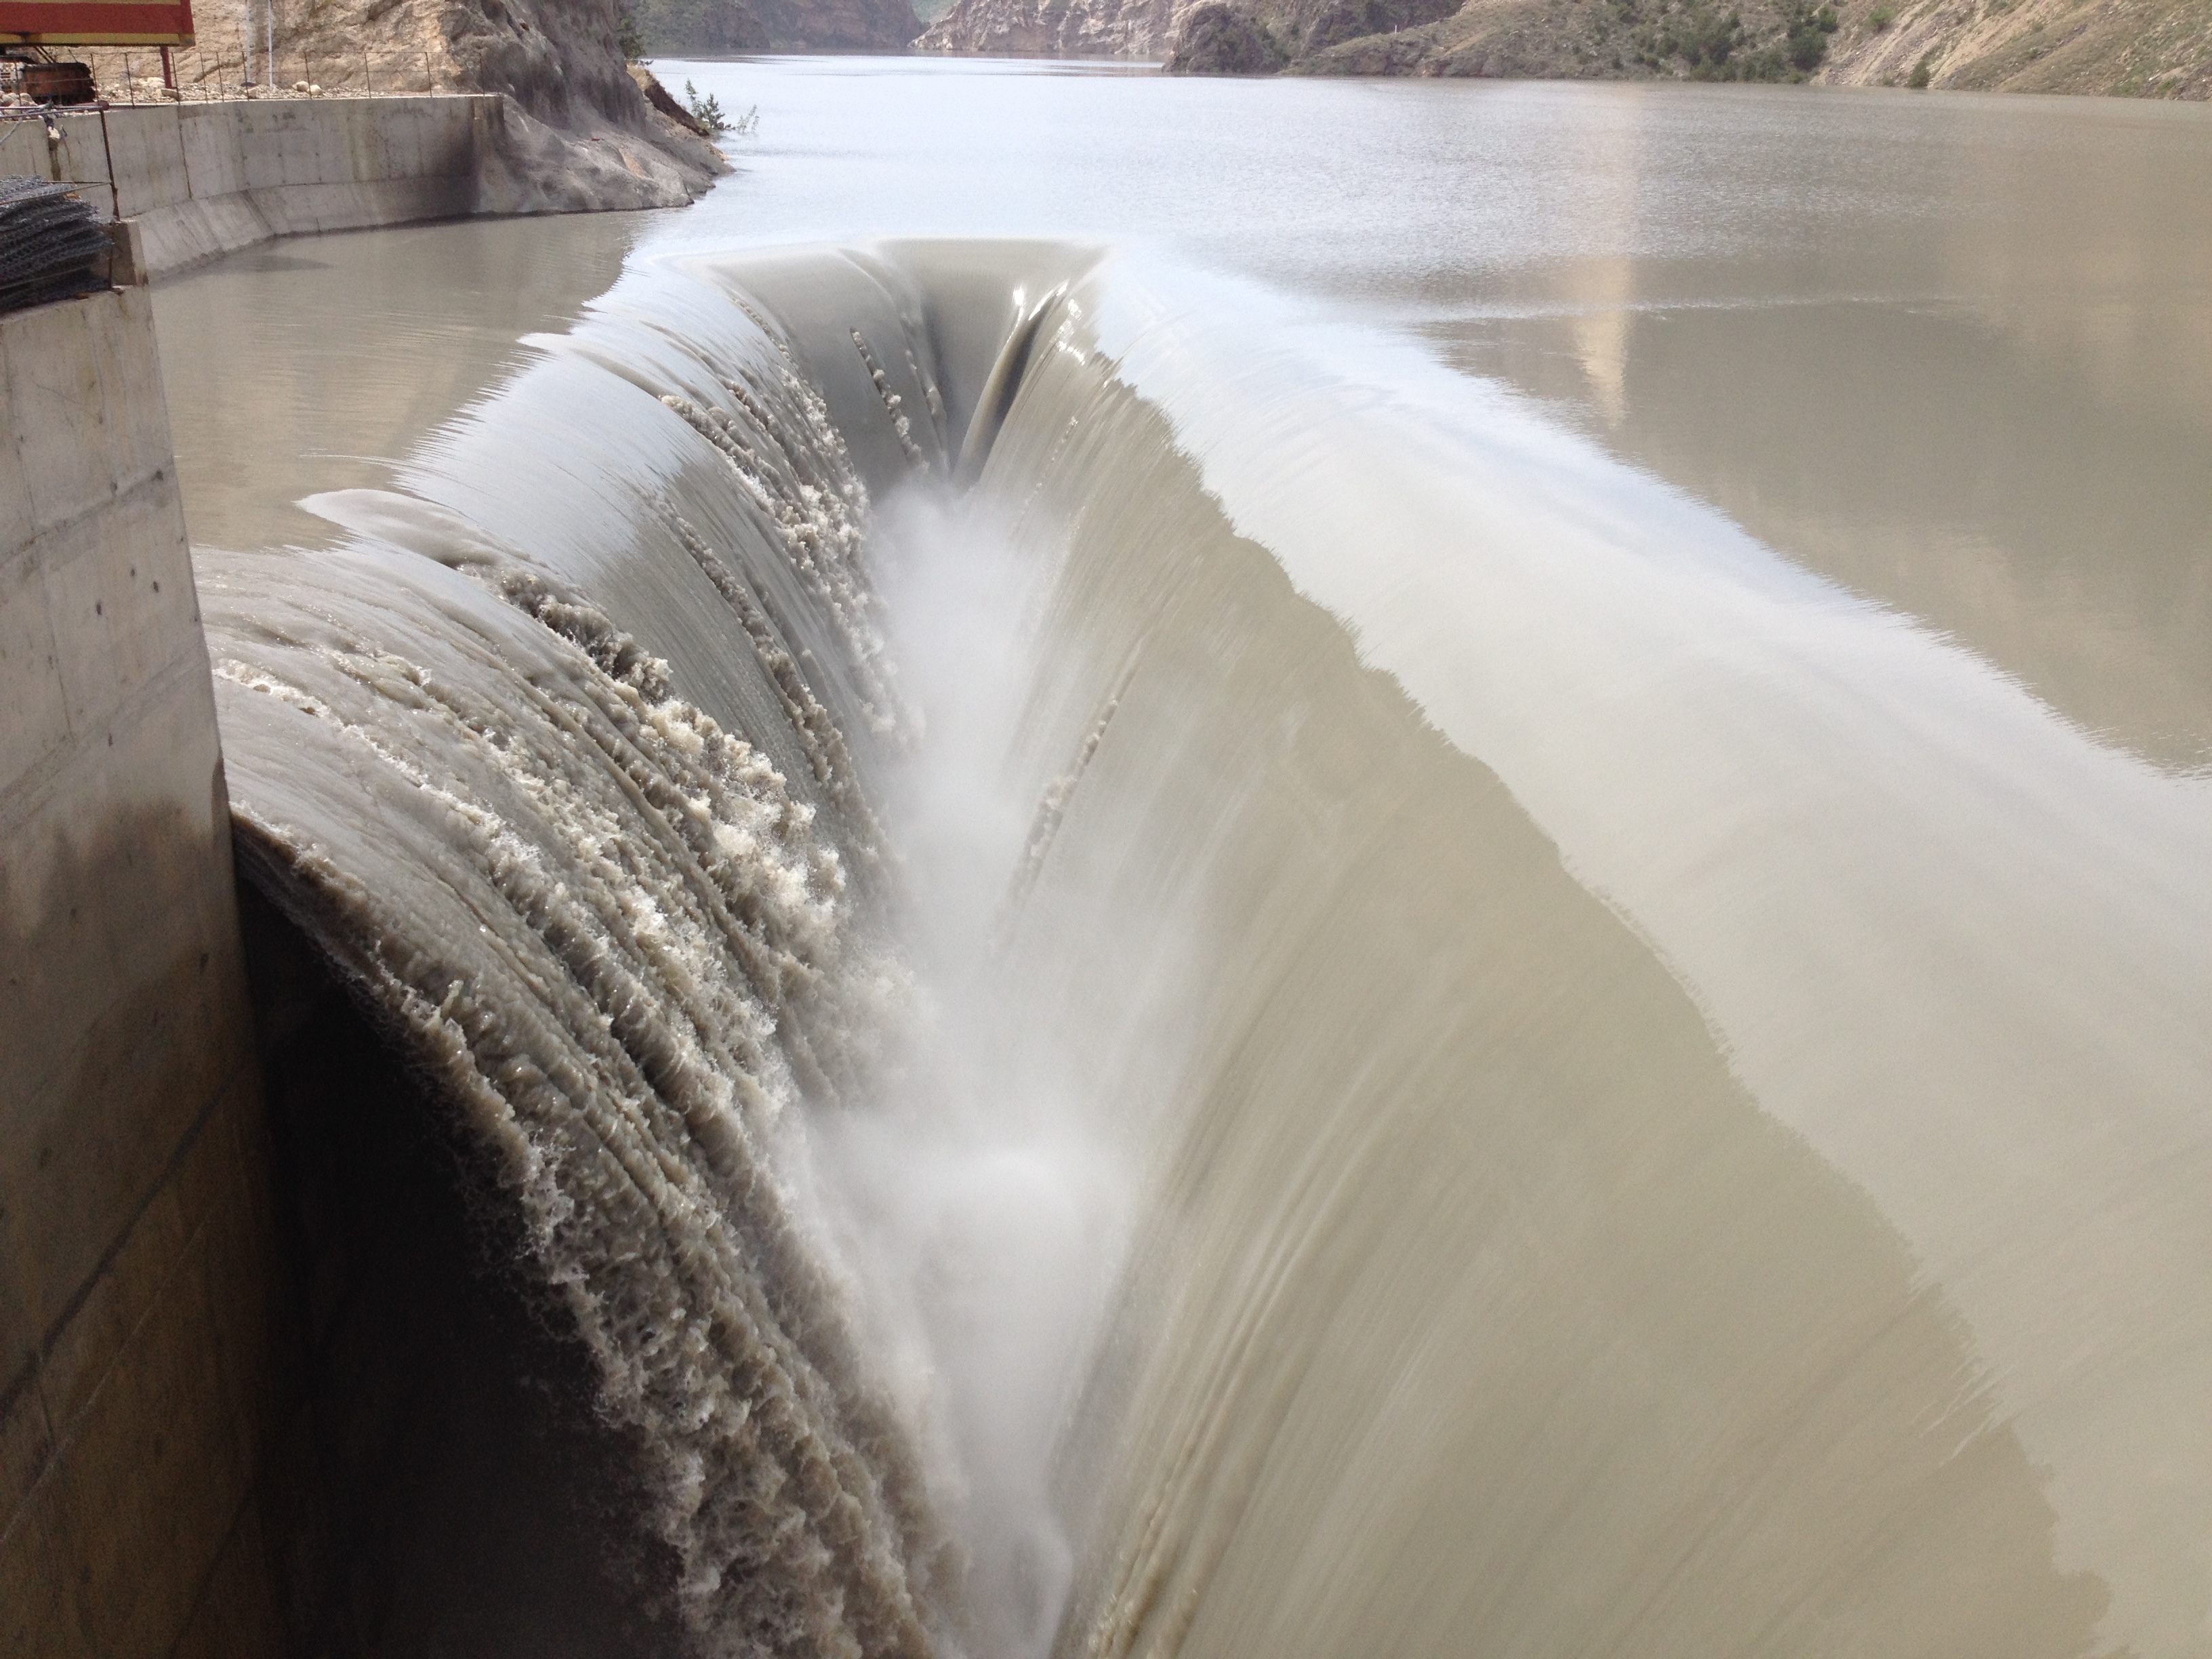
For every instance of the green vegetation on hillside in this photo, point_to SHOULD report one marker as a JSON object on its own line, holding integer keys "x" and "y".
{"x": 1697, "y": 38}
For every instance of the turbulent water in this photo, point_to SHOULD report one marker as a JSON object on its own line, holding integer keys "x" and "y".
{"x": 625, "y": 948}
{"x": 1153, "y": 975}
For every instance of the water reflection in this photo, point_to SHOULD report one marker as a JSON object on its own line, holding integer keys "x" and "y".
{"x": 1991, "y": 412}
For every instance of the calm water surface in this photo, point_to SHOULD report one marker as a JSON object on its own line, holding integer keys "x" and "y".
{"x": 316, "y": 363}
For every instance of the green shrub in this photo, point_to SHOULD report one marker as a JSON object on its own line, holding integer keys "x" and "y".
{"x": 1805, "y": 37}
{"x": 1922, "y": 72}
{"x": 1703, "y": 37}
{"x": 1881, "y": 18}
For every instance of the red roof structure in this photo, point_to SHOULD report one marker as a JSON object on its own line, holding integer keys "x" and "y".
{"x": 95, "y": 22}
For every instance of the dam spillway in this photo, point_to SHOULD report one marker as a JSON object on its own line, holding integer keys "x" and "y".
{"x": 658, "y": 944}
{"x": 1307, "y": 1013}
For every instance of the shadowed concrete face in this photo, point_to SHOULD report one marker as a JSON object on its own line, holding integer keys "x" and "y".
{"x": 140, "y": 1407}
{"x": 120, "y": 1026}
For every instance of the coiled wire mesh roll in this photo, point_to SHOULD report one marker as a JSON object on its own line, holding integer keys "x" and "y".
{"x": 50, "y": 241}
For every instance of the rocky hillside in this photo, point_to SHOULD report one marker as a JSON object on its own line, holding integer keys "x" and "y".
{"x": 1618, "y": 40}
{"x": 2156, "y": 48}
{"x": 2148, "y": 47}
{"x": 2137, "y": 48}
{"x": 722, "y": 27}
{"x": 581, "y": 134}
{"x": 1291, "y": 32}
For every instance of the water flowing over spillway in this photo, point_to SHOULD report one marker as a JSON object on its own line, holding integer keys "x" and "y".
{"x": 1146, "y": 992}
{"x": 623, "y": 949}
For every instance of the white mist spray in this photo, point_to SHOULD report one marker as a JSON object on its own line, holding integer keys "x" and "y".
{"x": 986, "y": 1213}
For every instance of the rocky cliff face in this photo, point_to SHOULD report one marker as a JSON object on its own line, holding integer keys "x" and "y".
{"x": 1216, "y": 38}
{"x": 579, "y": 135}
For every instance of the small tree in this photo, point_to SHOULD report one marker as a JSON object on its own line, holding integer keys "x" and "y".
{"x": 708, "y": 111}
{"x": 629, "y": 36}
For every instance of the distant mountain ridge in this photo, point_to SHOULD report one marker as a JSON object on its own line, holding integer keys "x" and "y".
{"x": 2147, "y": 48}
{"x": 1055, "y": 28}
{"x": 716, "y": 26}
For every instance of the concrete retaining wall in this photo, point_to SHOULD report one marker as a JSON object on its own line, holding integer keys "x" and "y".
{"x": 141, "y": 1397}
{"x": 207, "y": 178}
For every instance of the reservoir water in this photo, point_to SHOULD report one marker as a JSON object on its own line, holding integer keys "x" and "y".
{"x": 1294, "y": 867}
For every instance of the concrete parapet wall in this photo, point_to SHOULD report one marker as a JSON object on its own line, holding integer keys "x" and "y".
{"x": 140, "y": 1386}
{"x": 207, "y": 178}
